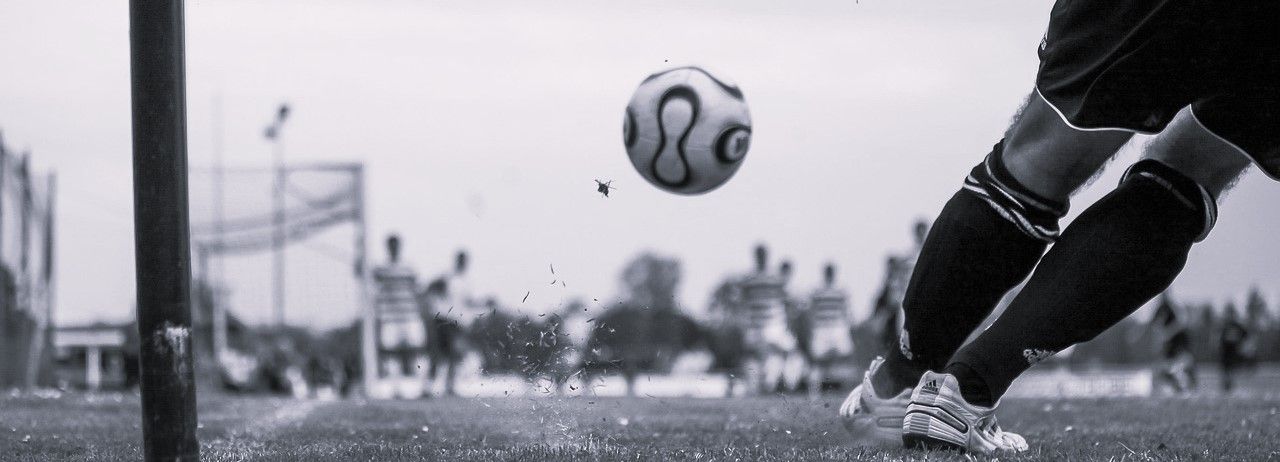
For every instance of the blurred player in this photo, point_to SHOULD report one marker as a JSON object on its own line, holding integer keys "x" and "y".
{"x": 1205, "y": 76}
{"x": 829, "y": 324}
{"x": 401, "y": 333}
{"x": 1232, "y": 348}
{"x": 765, "y": 335}
{"x": 1176, "y": 368}
{"x": 443, "y": 332}
{"x": 725, "y": 334}
{"x": 887, "y": 315}
{"x": 899, "y": 277}
{"x": 454, "y": 312}
{"x": 795, "y": 362}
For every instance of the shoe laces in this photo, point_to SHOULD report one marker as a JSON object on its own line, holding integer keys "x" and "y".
{"x": 988, "y": 425}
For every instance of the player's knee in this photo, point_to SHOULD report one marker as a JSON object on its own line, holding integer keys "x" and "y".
{"x": 1192, "y": 151}
{"x": 1033, "y": 214}
{"x": 1050, "y": 156}
{"x": 1189, "y": 192}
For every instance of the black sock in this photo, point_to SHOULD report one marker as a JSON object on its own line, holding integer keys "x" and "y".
{"x": 1120, "y": 253}
{"x": 986, "y": 240}
{"x": 972, "y": 387}
{"x": 896, "y": 374}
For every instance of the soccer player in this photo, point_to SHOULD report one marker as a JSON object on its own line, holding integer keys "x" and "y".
{"x": 1231, "y": 345}
{"x": 1176, "y": 368}
{"x": 794, "y": 362}
{"x": 725, "y": 333}
{"x": 886, "y": 312}
{"x": 443, "y": 331}
{"x": 1204, "y": 77}
{"x": 897, "y": 274}
{"x": 454, "y": 313}
{"x": 828, "y": 321}
{"x": 765, "y": 333}
{"x": 401, "y": 333}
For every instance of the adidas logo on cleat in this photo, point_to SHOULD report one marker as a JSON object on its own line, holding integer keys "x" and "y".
{"x": 931, "y": 386}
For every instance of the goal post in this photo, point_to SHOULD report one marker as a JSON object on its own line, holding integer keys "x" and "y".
{"x": 236, "y": 230}
{"x": 161, "y": 235}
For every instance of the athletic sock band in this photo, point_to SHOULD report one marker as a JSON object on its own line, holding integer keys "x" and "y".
{"x": 1034, "y": 215}
{"x": 1185, "y": 189}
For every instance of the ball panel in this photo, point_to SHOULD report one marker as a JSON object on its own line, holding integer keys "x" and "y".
{"x": 678, "y": 110}
{"x": 732, "y": 144}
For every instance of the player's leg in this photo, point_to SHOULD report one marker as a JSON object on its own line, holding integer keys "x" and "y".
{"x": 753, "y": 371}
{"x": 1121, "y": 252}
{"x": 985, "y": 241}
{"x": 822, "y": 354}
{"x": 773, "y": 364}
{"x": 793, "y": 369}
{"x": 817, "y": 373}
{"x": 990, "y": 235}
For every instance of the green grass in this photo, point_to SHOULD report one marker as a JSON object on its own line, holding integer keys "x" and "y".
{"x": 106, "y": 427}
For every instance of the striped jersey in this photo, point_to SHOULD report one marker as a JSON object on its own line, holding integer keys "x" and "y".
{"x": 396, "y": 295}
{"x": 763, "y": 299}
{"x": 828, "y": 305}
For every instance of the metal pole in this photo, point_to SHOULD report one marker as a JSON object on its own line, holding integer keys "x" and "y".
{"x": 50, "y": 285}
{"x": 161, "y": 229}
{"x": 368, "y": 342}
{"x": 36, "y": 288}
{"x": 215, "y": 279}
{"x": 4, "y": 175}
{"x": 278, "y": 235}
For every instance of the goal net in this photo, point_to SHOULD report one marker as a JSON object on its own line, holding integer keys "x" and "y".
{"x": 263, "y": 261}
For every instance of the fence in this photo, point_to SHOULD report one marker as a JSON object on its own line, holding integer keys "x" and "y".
{"x": 26, "y": 271}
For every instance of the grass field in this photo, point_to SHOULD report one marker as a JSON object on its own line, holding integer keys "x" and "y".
{"x": 106, "y": 427}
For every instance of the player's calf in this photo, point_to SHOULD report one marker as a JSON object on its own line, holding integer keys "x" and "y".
{"x": 986, "y": 240}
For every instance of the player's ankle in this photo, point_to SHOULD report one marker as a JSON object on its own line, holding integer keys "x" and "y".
{"x": 896, "y": 374}
{"x": 972, "y": 387}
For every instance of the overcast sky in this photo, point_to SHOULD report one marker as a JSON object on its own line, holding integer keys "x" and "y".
{"x": 483, "y": 124}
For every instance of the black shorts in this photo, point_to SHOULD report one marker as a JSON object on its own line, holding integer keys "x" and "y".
{"x": 1133, "y": 64}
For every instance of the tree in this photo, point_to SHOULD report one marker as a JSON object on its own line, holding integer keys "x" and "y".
{"x": 1256, "y": 313}
{"x": 645, "y": 330}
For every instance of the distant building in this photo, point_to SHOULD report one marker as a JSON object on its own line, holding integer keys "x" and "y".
{"x": 93, "y": 357}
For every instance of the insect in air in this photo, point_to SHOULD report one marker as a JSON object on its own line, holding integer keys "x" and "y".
{"x": 604, "y": 187}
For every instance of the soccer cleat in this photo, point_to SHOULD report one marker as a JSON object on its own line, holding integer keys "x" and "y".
{"x": 874, "y": 421}
{"x": 939, "y": 418}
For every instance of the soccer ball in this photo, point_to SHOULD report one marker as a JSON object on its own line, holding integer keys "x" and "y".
{"x": 686, "y": 130}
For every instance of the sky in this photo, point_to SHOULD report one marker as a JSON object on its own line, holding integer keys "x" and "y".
{"x": 483, "y": 124}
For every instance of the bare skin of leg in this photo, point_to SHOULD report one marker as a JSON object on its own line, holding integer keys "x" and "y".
{"x": 1052, "y": 159}
{"x": 1194, "y": 151}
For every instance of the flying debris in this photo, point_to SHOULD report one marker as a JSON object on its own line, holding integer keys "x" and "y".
{"x": 604, "y": 187}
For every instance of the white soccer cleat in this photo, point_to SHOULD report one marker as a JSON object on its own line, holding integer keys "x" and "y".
{"x": 874, "y": 421}
{"x": 939, "y": 418}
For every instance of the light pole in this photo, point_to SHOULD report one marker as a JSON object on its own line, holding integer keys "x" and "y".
{"x": 273, "y": 134}
{"x": 214, "y": 278}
